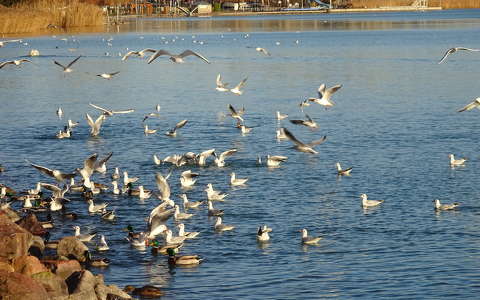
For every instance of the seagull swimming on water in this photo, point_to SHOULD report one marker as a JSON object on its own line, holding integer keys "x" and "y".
{"x": 342, "y": 172}
{"x": 262, "y": 233}
{"x": 456, "y": 162}
{"x": 308, "y": 148}
{"x": 309, "y": 240}
{"x": 67, "y": 69}
{"x": 455, "y": 49}
{"x": 439, "y": 206}
{"x": 176, "y": 58}
{"x": 369, "y": 203}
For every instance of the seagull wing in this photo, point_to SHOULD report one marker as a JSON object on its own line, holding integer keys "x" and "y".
{"x": 330, "y": 91}
{"x": 104, "y": 160}
{"x": 51, "y": 187}
{"x": 157, "y": 54}
{"x": 468, "y": 49}
{"x": 190, "y": 52}
{"x": 297, "y": 122}
{"x": 3, "y": 64}
{"x": 471, "y": 105}
{"x": 227, "y": 153}
{"x": 291, "y": 137}
{"x": 123, "y": 111}
{"x": 242, "y": 83}
{"x": 25, "y": 60}
{"x": 59, "y": 64}
{"x": 89, "y": 164}
{"x": 114, "y": 73}
{"x": 100, "y": 108}
{"x": 163, "y": 186}
{"x": 43, "y": 170}
{"x": 142, "y": 52}
{"x": 321, "y": 90}
{"x": 220, "y": 83}
{"x": 73, "y": 61}
{"x": 317, "y": 142}
{"x": 90, "y": 120}
{"x": 130, "y": 53}
{"x": 181, "y": 124}
{"x": 449, "y": 51}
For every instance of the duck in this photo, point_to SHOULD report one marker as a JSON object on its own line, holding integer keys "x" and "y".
{"x": 262, "y": 233}
{"x": 309, "y": 240}
{"x": 156, "y": 248}
{"x": 184, "y": 260}
{"x": 222, "y": 227}
{"x": 237, "y": 181}
{"x": 187, "y": 235}
{"x": 96, "y": 262}
{"x": 149, "y": 291}
{"x": 369, "y": 203}
{"x": 439, "y": 206}
{"x": 342, "y": 172}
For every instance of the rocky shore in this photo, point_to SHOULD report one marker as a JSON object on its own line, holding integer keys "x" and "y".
{"x": 33, "y": 268}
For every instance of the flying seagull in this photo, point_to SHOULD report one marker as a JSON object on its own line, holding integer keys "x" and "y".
{"x": 309, "y": 122}
{"x": 14, "y": 62}
{"x": 221, "y": 87}
{"x": 453, "y": 50}
{"x": 471, "y": 105}
{"x": 138, "y": 53}
{"x": 3, "y": 43}
{"x": 176, "y": 58}
{"x": 238, "y": 89}
{"x": 108, "y": 112}
{"x": 173, "y": 132}
{"x": 324, "y": 95}
{"x": 308, "y": 148}
{"x": 58, "y": 175}
{"x": 67, "y": 69}
{"x": 108, "y": 75}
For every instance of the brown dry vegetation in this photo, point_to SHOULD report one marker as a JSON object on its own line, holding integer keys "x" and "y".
{"x": 447, "y": 4}
{"x": 31, "y": 16}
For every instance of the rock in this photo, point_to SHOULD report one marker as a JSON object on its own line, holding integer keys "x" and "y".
{"x": 103, "y": 292}
{"x": 70, "y": 246}
{"x": 28, "y": 265}
{"x": 82, "y": 282}
{"x": 15, "y": 286}
{"x": 37, "y": 248}
{"x": 31, "y": 223}
{"x": 11, "y": 214}
{"x": 63, "y": 268}
{"x": 14, "y": 239}
{"x": 53, "y": 284}
{"x": 5, "y": 265}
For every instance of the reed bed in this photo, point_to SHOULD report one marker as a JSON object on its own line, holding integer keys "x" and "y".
{"x": 40, "y": 14}
{"x": 447, "y": 4}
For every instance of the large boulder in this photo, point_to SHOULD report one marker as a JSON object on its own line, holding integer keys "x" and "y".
{"x": 31, "y": 223}
{"x": 53, "y": 284}
{"x": 6, "y": 265}
{"x": 28, "y": 265}
{"x": 10, "y": 213}
{"x": 71, "y": 247}
{"x": 83, "y": 283}
{"x": 63, "y": 268}
{"x": 16, "y": 286}
{"x": 14, "y": 240}
{"x": 103, "y": 291}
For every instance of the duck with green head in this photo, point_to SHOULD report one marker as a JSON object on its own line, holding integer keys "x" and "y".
{"x": 185, "y": 260}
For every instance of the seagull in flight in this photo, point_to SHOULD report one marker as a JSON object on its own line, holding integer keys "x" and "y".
{"x": 236, "y": 115}
{"x": 67, "y": 69}
{"x": 108, "y": 75}
{"x": 471, "y": 105}
{"x": 263, "y": 50}
{"x": 108, "y": 112}
{"x": 238, "y": 89}
{"x": 15, "y": 62}
{"x": 309, "y": 122}
{"x": 95, "y": 126}
{"x": 173, "y": 132}
{"x": 58, "y": 175}
{"x": 221, "y": 87}
{"x": 138, "y": 53}
{"x": 176, "y": 58}
{"x": 308, "y": 148}
{"x": 3, "y": 43}
{"x": 324, "y": 95}
{"x": 455, "y": 49}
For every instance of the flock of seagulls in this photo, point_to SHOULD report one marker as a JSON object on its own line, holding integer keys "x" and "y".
{"x": 156, "y": 226}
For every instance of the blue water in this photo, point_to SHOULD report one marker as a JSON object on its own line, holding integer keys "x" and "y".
{"x": 395, "y": 122}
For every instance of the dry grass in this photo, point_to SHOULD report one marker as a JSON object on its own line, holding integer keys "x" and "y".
{"x": 447, "y": 4}
{"x": 31, "y": 16}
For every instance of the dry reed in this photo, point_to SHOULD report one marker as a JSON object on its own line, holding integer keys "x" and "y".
{"x": 38, "y": 15}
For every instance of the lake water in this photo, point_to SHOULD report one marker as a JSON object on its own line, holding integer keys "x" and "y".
{"x": 395, "y": 122}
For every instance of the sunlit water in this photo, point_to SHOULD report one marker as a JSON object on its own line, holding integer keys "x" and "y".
{"x": 395, "y": 122}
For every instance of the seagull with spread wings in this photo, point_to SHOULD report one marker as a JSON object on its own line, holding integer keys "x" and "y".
{"x": 173, "y": 132}
{"x": 67, "y": 69}
{"x": 325, "y": 94}
{"x": 109, "y": 113}
{"x": 308, "y": 148}
{"x": 176, "y": 58}
{"x": 455, "y": 49}
{"x": 15, "y": 62}
{"x": 474, "y": 104}
{"x": 140, "y": 54}
{"x": 58, "y": 175}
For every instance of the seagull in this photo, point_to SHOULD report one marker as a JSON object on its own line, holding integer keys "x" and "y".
{"x": 324, "y": 95}
{"x": 369, "y": 203}
{"x": 220, "y": 160}
{"x": 59, "y": 113}
{"x": 237, "y": 181}
{"x": 95, "y": 126}
{"x": 3, "y": 43}
{"x": 150, "y": 115}
{"x": 71, "y": 124}
{"x": 108, "y": 215}
{"x": 202, "y": 157}
{"x": 108, "y": 75}
{"x": 212, "y": 211}
{"x": 83, "y": 237}
{"x": 176, "y": 58}
{"x": 101, "y": 165}
{"x": 190, "y": 204}
{"x": 110, "y": 113}
{"x": 156, "y": 160}
{"x": 281, "y": 134}
{"x": 222, "y": 227}
{"x": 163, "y": 187}
{"x": 65, "y": 134}
{"x": 103, "y": 244}
{"x": 309, "y": 240}
{"x": 221, "y": 87}
{"x": 116, "y": 174}
{"x": 57, "y": 192}
{"x": 453, "y": 50}
{"x": 14, "y": 62}
{"x": 173, "y": 132}
{"x": 180, "y": 215}
{"x": 342, "y": 172}
{"x": 138, "y": 53}
{"x": 275, "y": 160}
{"x": 187, "y": 235}
{"x": 143, "y": 193}
{"x": 308, "y": 148}
{"x": 262, "y": 233}
{"x": 148, "y": 131}
{"x": 237, "y": 90}
{"x": 472, "y": 105}
{"x": 127, "y": 180}
{"x": 67, "y": 69}
{"x": 115, "y": 190}
{"x": 451, "y": 206}
{"x": 281, "y": 116}
{"x": 456, "y": 162}
{"x": 236, "y": 115}
{"x": 170, "y": 239}
{"x": 262, "y": 50}
{"x": 58, "y": 175}
{"x": 92, "y": 208}
{"x": 308, "y": 122}
{"x": 213, "y": 195}
{"x": 187, "y": 179}
{"x": 304, "y": 103}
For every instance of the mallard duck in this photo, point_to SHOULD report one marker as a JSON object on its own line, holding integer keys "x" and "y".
{"x": 146, "y": 291}
{"x": 156, "y": 248}
{"x": 184, "y": 260}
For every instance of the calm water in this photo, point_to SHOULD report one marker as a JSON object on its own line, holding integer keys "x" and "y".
{"x": 395, "y": 122}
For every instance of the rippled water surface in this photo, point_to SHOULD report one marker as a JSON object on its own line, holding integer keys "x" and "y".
{"x": 395, "y": 122}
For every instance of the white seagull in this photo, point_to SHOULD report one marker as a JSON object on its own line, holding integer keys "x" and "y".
{"x": 173, "y": 132}
{"x": 439, "y": 206}
{"x": 237, "y": 90}
{"x": 67, "y": 69}
{"x": 14, "y": 62}
{"x": 342, "y": 172}
{"x": 455, "y": 49}
{"x": 220, "y": 160}
{"x": 176, "y": 58}
{"x": 234, "y": 181}
{"x": 471, "y": 105}
{"x": 187, "y": 235}
{"x": 369, "y": 203}
{"x": 219, "y": 226}
{"x": 108, "y": 75}
{"x": 308, "y": 148}
{"x": 456, "y": 162}
{"x": 95, "y": 125}
{"x": 221, "y": 87}
{"x": 262, "y": 233}
{"x": 109, "y": 113}
{"x": 83, "y": 237}
{"x": 325, "y": 94}
{"x": 140, "y": 54}
{"x": 309, "y": 240}
{"x": 188, "y": 179}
